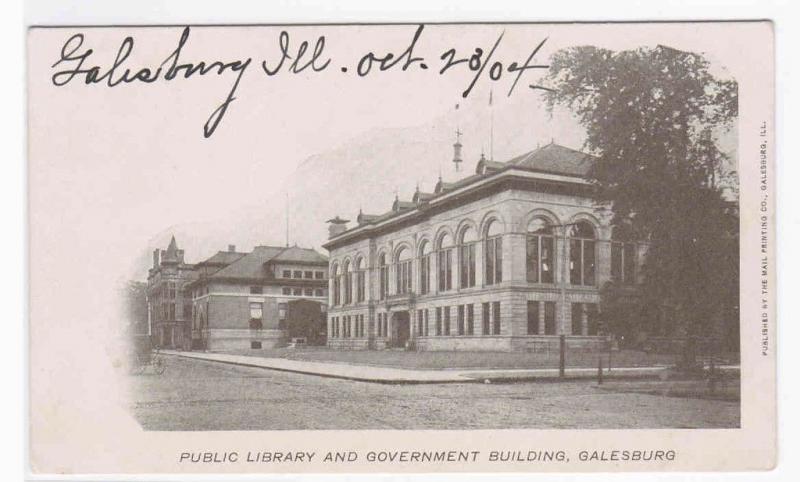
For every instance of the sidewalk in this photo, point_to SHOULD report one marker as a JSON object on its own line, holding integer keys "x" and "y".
{"x": 408, "y": 376}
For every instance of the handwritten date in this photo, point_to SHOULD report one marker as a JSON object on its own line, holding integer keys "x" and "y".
{"x": 74, "y": 64}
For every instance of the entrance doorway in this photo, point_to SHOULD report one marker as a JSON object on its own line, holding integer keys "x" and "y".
{"x": 401, "y": 328}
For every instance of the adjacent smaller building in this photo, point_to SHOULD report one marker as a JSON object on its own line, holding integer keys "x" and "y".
{"x": 242, "y": 300}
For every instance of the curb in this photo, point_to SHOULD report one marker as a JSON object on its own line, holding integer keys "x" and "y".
{"x": 505, "y": 379}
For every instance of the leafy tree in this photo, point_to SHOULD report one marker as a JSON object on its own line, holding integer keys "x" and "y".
{"x": 653, "y": 117}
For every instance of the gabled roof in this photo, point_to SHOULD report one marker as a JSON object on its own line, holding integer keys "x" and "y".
{"x": 555, "y": 159}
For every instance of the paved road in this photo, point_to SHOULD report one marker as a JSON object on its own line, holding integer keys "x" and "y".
{"x": 201, "y": 395}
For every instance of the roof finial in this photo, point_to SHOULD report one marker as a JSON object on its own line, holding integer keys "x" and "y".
{"x": 457, "y": 150}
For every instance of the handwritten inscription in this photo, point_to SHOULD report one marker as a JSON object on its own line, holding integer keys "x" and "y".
{"x": 75, "y": 64}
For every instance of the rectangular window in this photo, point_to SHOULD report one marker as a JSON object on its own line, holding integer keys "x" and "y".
{"x": 319, "y": 275}
{"x": 384, "y": 288}
{"x": 419, "y": 322}
{"x": 361, "y": 285}
{"x": 460, "y": 319}
{"x": 297, "y": 291}
{"x": 467, "y": 265}
{"x": 577, "y": 318}
{"x": 549, "y": 318}
{"x": 470, "y": 319}
{"x": 424, "y": 274}
{"x": 308, "y": 274}
{"x": 592, "y": 315}
{"x": 337, "y": 290}
{"x": 494, "y": 260}
{"x": 380, "y": 325}
{"x": 426, "y": 323}
{"x": 445, "y": 271}
{"x": 319, "y": 292}
{"x": 403, "y": 277}
{"x": 255, "y": 345}
{"x": 533, "y": 317}
{"x": 485, "y": 320}
{"x": 287, "y": 273}
{"x": 308, "y": 292}
{"x": 286, "y": 291}
{"x": 348, "y": 287}
{"x": 496, "y": 318}
{"x": 540, "y": 259}
{"x": 256, "y": 315}
{"x": 256, "y": 290}
{"x": 438, "y": 321}
{"x": 446, "y": 310}
{"x": 297, "y": 274}
{"x": 581, "y": 262}
{"x": 282, "y": 311}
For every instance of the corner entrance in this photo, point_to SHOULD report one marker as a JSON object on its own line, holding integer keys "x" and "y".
{"x": 401, "y": 328}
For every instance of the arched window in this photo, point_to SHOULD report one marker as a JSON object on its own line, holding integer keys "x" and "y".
{"x": 623, "y": 256}
{"x": 444, "y": 260}
{"x": 384, "y": 276}
{"x": 493, "y": 253}
{"x": 403, "y": 271}
{"x": 348, "y": 282}
{"x": 466, "y": 255}
{"x": 425, "y": 268}
{"x": 540, "y": 251}
{"x": 337, "y": 285}
{"x": 581, "y": 254}
{"x": 361, "y": 281}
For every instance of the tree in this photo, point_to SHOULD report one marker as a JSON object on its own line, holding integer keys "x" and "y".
{"x": 653, "y": 117}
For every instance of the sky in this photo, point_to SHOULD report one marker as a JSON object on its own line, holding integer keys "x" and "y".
{"x": 123, "y": 169}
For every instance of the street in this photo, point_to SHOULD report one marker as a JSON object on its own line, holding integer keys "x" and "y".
{"x": 202, "y": 395}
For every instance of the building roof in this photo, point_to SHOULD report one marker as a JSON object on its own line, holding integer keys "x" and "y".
{"x": 555, "y": 159}
{"x": 252, "y": 265}
{"x": 296, "y": 254}
{"x": 222, "y": 258}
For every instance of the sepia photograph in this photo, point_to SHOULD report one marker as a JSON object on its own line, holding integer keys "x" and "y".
{"x": 609, "y": 267}
{"x": 455, "y": 236}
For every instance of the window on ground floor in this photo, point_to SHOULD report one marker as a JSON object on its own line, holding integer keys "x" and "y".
{"x": 549, "y": 318}
{"x": 446, "y": 311}
{"x": 438, "y": 321}
{"x": 533, "y": 317}
{"x": 496, "y": 317}
{"x": 470, "y": 319}
{"x": 256, "y": 315}
{"x": 460, "y": 320}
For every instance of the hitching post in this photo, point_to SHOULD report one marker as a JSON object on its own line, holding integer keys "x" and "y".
{"x": 562, "y": 345}
{"x": 599, "y": 370}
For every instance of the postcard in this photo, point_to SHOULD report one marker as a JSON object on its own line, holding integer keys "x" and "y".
{"x": 401, "y": 248}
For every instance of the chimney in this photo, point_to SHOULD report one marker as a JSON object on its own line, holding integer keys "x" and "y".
{"x": 337, "y": 226}
{"x": 231, "y": 248}
{"x": 155, "y": 258}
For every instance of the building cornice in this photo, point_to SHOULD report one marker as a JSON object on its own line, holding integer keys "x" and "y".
{"x": 510, "y": 178}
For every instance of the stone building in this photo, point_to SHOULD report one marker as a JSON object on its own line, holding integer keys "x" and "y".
{"x": 504, "y": 259}
{"x": 168, "y": 309}
{"x": 240, "y": 300}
